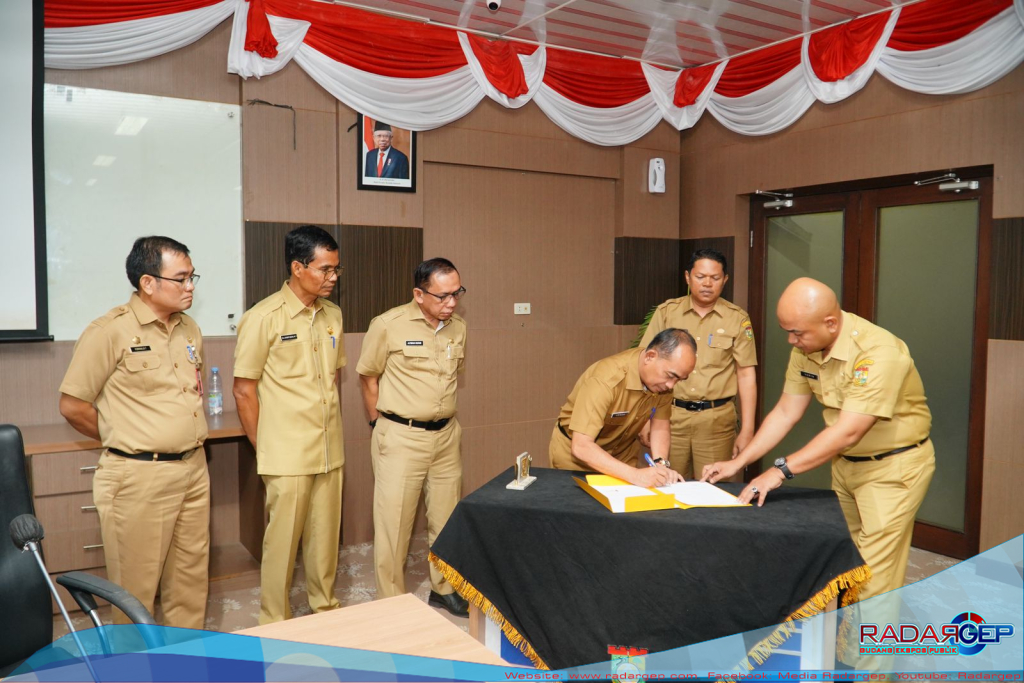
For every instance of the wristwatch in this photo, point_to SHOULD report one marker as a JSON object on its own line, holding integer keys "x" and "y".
{"x": 784, "y": 468}
{"x": 373, "y": 424}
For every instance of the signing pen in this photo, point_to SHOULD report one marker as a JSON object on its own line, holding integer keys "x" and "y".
{"x": 650, "y": 463}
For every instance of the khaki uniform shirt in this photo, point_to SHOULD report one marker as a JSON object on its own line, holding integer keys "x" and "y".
{"x": 294, "y": 352}
{"x": 144, "y": 378}
{"x": 724, "y": 340}
{"x": 416, "y": 363}
{"x": 611, "y": 404}
{"x": 868, "y": 371}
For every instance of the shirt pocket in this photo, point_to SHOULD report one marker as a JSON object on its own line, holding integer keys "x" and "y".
{"x": 142, "y": 371}
{"x": 288, "y": 359}
{"x": 454, "y": 355}
{"x": 718, "y": 349}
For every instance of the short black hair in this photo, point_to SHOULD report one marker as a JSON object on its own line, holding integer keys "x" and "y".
{"x": 668, "y": 340}
{"x": 711, "y": 255}
{"x": 147, "y": 256}
{"x": 301, "y": 244}
{"x": 427, "y": 269}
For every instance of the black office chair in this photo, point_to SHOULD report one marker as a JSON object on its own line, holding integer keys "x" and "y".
{"x": 24, "y": 592}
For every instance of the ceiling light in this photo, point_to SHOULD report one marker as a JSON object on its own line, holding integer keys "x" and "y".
{"x": 130, "y": 125}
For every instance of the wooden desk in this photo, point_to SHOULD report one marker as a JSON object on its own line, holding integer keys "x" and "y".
{"x": 63, "y": 438}
{"x": 401, "y": 625}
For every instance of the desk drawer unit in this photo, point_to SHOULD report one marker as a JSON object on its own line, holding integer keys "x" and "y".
{"x": 54, "y": 473}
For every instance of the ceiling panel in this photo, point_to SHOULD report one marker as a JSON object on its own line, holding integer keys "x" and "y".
{"x": 668, "y": 32}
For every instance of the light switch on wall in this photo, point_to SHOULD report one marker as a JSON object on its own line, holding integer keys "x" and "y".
{"x": 521, "y": 309}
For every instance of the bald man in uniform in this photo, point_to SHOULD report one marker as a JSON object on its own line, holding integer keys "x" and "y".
{"x": 704, "y": 404}
{"x": 134, "y": 384}
{"x": 876, "y": 434}
{"x": 612, "y": 400}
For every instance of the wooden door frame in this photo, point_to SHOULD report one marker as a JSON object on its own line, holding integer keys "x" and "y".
{"x": 860, "y": 204}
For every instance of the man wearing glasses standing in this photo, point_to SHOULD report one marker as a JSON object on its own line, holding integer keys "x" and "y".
{"x": 134, "y": 384}
{"x": 288, "y": 360}
{"x": 408, "y": 370}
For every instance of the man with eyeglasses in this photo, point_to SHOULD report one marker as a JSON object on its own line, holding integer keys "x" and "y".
{"x": 134, "y": 384}
{"x": 288, "y": 362}
{"x": 408, "y": 371}
{"x": 613, "y": 399}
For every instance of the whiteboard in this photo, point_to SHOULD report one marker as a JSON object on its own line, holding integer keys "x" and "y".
{"x": 121, "y": 166}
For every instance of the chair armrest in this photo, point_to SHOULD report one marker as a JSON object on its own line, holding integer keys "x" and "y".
{"x": 83, "y": 587}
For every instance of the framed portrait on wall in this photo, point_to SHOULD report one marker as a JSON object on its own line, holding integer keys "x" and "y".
{"x": 386, "y": 156}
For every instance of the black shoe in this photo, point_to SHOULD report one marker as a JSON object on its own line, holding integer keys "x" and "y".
{"x": 452, "y": 602}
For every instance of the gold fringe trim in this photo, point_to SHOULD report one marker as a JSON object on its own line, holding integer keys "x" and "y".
{"x": 850, "y": 581}
{"x": 475, "y": 597}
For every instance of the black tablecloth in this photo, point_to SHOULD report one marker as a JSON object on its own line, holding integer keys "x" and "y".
{"x": 572, "y": 578}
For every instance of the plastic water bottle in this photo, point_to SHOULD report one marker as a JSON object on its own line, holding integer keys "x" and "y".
{"x": 215, "y": 399}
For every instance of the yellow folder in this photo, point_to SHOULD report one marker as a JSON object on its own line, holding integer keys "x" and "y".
{"x": 620, "y": 496}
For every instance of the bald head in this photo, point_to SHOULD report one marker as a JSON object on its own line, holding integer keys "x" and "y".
{"x": 809, "y": 311}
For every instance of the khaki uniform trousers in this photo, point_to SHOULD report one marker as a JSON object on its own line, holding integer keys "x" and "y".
{"x": 306, "y": 507}
{"x": 702, "y": 438}
{"x": 407, "y": 461}
{"x": 155, "y": 522}
{"x": 880, "y": 499}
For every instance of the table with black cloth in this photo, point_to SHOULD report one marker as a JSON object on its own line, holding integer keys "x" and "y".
{"x": 571, "y": 578}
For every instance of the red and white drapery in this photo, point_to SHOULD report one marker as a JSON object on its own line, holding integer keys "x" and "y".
{"x": 419, "y": 76}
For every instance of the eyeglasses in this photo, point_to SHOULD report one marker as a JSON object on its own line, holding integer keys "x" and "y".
{"x": 444, "y": 298}
{"x": 328, "y": 271}
{"x": 193, "y": 279}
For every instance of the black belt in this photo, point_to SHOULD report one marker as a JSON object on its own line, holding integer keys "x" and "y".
{"x": 149, "y": 455}
{"x": 562, "y": 429}
{"x": 419, "y": 424}
{"x": 882, "y": 456}
{"x": 697, "y": 406}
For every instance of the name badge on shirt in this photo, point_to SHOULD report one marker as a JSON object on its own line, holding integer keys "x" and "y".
{"x": 289, "y": 337}
{"x": 414, "y": 343}
{"x": 624, "y": 413}
{"x": 140, "y": 349}
{"x": 808, "y": 375}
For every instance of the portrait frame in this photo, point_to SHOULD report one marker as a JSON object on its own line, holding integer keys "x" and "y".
{"x": 401, "y": 156}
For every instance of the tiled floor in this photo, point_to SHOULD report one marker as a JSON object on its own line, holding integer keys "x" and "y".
{"x": 234, "y": 603}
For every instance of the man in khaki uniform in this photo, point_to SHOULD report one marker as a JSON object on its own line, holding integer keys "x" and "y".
{"x": 704, "y": 405}
{"x": 877, "y": 424}
{"x": 408, "y": 372}
{"x": 134, "y": 384}
{"x": 288, "y": 360}
{"x": 612, "y": 400}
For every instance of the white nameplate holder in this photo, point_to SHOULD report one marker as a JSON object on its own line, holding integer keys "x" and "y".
{"x": 523, "y": 477}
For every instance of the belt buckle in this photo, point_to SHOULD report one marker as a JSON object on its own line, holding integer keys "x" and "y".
{"x": 700, "y": 406}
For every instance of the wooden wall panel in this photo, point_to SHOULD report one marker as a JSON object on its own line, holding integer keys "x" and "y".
{"x": 32, "y": 374}
{"x": 372, "y": 207}
{"x": 289, "y": 173}
{"x": 524, "y": 237}
{"x": 195, "y": 72}
{"x": 721, "y": 244}
{"x": 647, "y": 272}
{"x": 379, "y": 264}
{"x": 1004, "y": 458}
{"x": 290, "y": 86}
{"x": 1006, "y": 306}
{"x": 639, "y": 212}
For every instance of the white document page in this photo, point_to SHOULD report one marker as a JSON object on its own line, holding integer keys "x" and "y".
{"x": 701, "y": 494}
